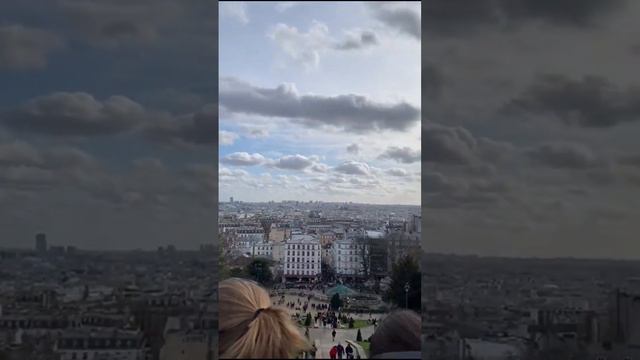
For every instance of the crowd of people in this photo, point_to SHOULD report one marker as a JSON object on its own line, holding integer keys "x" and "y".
{"x": 252, "y": 327}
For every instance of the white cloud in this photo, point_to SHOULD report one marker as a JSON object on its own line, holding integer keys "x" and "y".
{"x": 243, "y": 159}
{"x": 227, "y": 137}
{"x": 236, "y": 10}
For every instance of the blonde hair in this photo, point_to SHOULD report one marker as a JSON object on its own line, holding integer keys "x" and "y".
{"x": 251, "y": 328}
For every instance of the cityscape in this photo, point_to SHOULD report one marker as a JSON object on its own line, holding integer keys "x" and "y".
{"x": 319, "y": 155}
{"x": 66, "y": 303}
{"x": 315, "y": 252}
{"x": 530, "y": 180}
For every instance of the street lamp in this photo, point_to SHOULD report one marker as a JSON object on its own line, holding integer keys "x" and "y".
{"x": 406, "y": 294}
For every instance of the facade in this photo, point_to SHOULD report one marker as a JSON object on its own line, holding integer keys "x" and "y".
{"x": 93, "y": 345}
{"x": 302, "y": 257}
{"x": 349, "y": 256}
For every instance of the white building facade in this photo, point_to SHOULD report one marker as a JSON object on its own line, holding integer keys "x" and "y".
{"x": 302, "y": 257}
{"x": 349, "y": 257}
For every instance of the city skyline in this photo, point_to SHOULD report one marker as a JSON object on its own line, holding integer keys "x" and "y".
{"x": 320, "y": 103}
{"x": 529, "y": 130}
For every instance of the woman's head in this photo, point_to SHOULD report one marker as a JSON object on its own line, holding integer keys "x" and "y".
{"x": 399, "y": 332}
{"x": 250, "y": 327}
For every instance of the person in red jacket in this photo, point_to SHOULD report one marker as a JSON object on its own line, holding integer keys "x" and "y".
{"x": 333, "y": 352}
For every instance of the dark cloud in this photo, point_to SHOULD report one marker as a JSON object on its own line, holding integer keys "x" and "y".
{"x": 357, "y": 41}
{"x": 19, "y": 153}
{"x": 432, "y": 81}
{"x": 23, "y": 48}
{"x": 353, "y": 149}
{"x": 563, "y": 155}
{"x": 350, "y": 112}
{"x": 113, "y": 23}
{"x": 448, "y": 145}
{"x": 402, "y": 19}
{"x": 78, "y": 114}
{"x": 460, "y": 17}
{"x": 590, "y": 102}
{"x": 404, "y": 155}
{"x": 200, "y": 128}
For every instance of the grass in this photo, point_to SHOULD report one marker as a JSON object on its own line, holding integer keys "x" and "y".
{"x": 358, "y": 324}
{"x": 365, "y": 345}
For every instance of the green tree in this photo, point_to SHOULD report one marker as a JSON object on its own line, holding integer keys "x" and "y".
{"x": 359, "y": 336}
{"x": 405, "y": 272}
{"x": 336, "y": 302}
{"x": 258, "y": 270}
{"x": 307, "y": 322}
{"x": 351, "y": 323}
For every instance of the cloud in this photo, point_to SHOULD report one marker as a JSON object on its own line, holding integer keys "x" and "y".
{"x": 305, "y": 48}
{"x": 403, "y": 19}
{"x": 113, "y": 23}
{"x": 293, "y": 162}
{"x": 459, "y": 17}
{"x": 227, "y": 137}
{"x": 243, "y": 159}
{"x": 255, "y": 132}
{"x": 199, "y": 128}
{"x": 230, "y": 175}
{"x": 352, "y": 113}
{"x": 590, "y": 102}
{"x": 353, "y": 149}
{"x": 353, "y": 168}
{"x": 432, "y": 81}
{"x": 447, "y": 145}
{"x": 23, "y": 48}
{"x": 19, "y": 153}
{"x": 80, "y": 114}
{"x": 404, "y": 155}
{"x": 397, "y": 172}
{"x": 282, "y": 6}
{"x": 563, "y": 155}
{"x": 236, "y": 10}
{"x": 356, "y": 41}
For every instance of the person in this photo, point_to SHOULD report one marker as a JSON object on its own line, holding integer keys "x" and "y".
{"x": 313, "y": 350}
{"x": 349, "y": 351}
{"x": 398, "y": 333}
{"x": 250, "y": 327}
{"x": 333, "y": 334}
{"x": 340, "y": 350}
{"x": 333, "y": 352}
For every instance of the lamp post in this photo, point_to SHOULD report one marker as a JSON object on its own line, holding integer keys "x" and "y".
{"x": 406, "y": 295}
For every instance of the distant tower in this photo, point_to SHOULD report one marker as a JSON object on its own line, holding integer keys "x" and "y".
{"x": 41, "y": 243}
{"x": 231, "y": 199}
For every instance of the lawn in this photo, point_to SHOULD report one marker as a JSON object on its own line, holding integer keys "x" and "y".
{"x": 365, "y": 345}
{"x": 357, "y": 324}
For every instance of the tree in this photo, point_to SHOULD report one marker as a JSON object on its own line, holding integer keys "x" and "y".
{"x": 258, "y": 269}
{"x": 307, "y": 322}
{"x": 328, "y": 273}
{"x": 405, "y": 271}
{"x": 336, "y": 302}
{"x": 352, "y": 324}
{"x": 359, "y": 336}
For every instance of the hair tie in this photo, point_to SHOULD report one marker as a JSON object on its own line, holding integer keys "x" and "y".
{"x": 255, "y": 315}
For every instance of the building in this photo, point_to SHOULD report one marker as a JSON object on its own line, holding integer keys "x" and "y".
{"x": 302, "y": 258}
{"x": 41, "y": 243}
{"x": 350, "y": 257}
{"x": 231, "y": 199}
{"x": 92, "y": 344}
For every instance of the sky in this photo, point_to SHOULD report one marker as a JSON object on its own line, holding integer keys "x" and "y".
{"x": 320, "y": 101}
{"x": 530, "y": 128}
{"x": 108, "y": 123}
